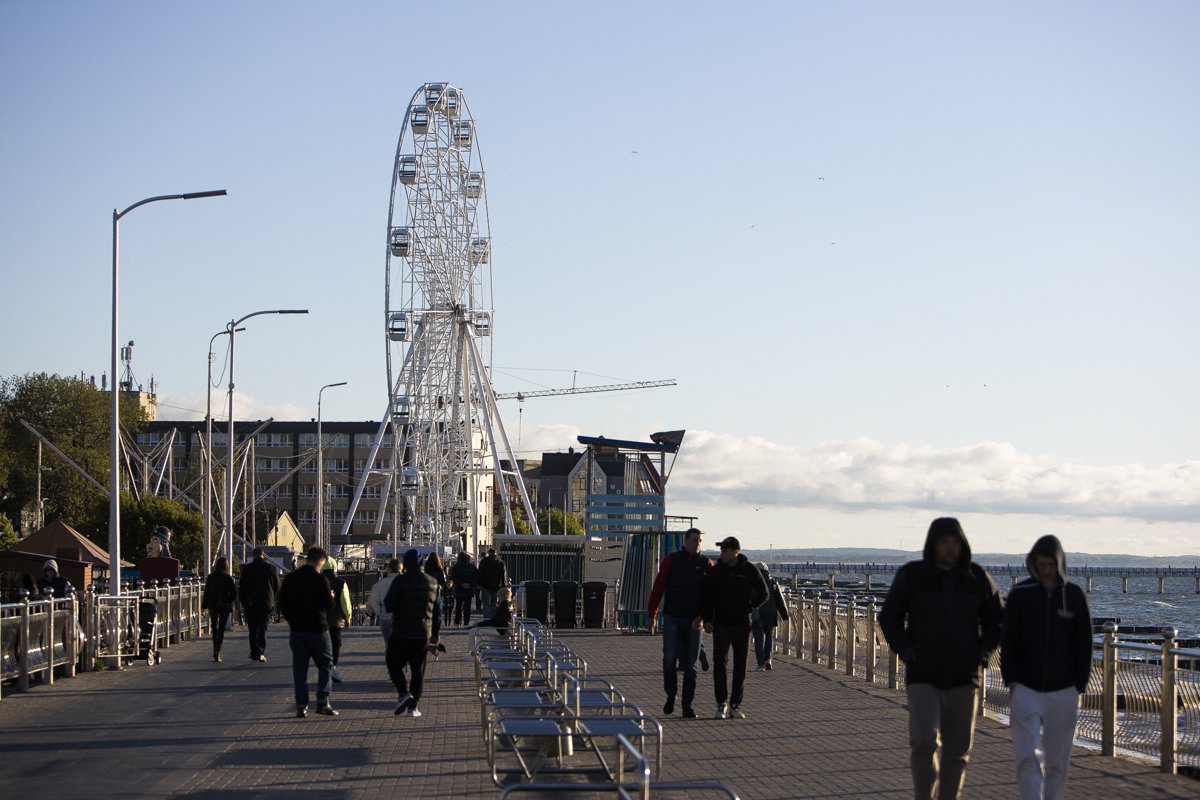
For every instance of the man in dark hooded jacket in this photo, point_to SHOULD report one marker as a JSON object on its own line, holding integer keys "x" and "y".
{"x": 410, "y": 600}
{"x": 1046, "y": 657}
{"x": 733, "y": 589}
{"x": 942, "y": 616}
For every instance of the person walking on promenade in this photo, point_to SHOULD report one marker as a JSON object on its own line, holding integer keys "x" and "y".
{"x": 492, "y": 576}
{"x": 51, "y": 578}
{"x": 339, "y": 615}
{"x": 220, "y": 593}
{"x": 733, "y": 590}
{"x": 410, "y": 599}
{"x": 679, "y": 586}
{"x": 378, "y": 592}
{"x": 464, "y": 576}
{"x": 305, "y": 601}
{"x": 433, "y": 568}
{"x": 1046, "y": 657}
{"x": 766, "y": 619}
{"x": 257, "y": 591}
{"x": 942, "y": 616}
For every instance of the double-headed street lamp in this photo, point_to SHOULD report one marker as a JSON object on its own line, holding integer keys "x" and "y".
{"x": 208, "y": 451}
{"x": 321, "y": 538}
{"x": 114, "y": 452}
{"x": 231, "y": 329}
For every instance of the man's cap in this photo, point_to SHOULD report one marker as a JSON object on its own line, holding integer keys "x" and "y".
{"x": 730, "y": 542}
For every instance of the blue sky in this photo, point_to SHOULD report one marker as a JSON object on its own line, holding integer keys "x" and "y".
{"x": 903, "y": 259}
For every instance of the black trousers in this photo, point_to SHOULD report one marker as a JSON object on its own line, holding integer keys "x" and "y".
{"x": 219, "y": 619}
{"x": 462, "y": 610}
{"x": 410, "y": 654}
{"x": 725, "y": 637}
{"x": 335, "y": 638}
{"x": 257, "y": 621}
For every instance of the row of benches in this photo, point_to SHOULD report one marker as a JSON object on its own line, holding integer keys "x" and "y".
{"x": 565, "y": 731}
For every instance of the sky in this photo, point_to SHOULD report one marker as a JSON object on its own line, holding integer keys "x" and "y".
{"x": 903, "y": 260}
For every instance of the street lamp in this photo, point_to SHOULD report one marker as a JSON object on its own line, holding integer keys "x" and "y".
{"x": 231, "y": 329}
{"x": 114, "y": 451}
{"x": 321, "y": 471}
{"x": 208, "y": 450}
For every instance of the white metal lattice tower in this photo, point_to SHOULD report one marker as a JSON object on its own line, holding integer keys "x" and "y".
{"x": 441, "y": 413}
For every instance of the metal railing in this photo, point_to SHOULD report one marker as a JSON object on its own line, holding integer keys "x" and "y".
{"x": 1139, "y": 702}
{"x": 57, "y": 637}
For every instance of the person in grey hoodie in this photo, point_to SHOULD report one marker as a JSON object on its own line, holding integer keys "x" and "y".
{"x": 942, "y": 616}
{"x": 1046, "y": 658}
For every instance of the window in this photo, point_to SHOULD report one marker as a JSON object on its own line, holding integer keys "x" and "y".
{"x": 336, "y": 465}
{"x": 363, "y": 439}
{"x": 282, "y": 491}
{"x": 365, "y": 517}
{"x": 308, "y": 491}
{"x": 336, "y": 516}
{"x": 271, "y": 465}
{"x": 339, "y": 492}
{"x": 149, "y": 439}
{"x": 273, "y": 440}
{"x": 220, "y": 439}
{"x": 380, "y": 464}
{"x": 179, "y": 464}
{"x": 307, "y": 516}
{"x": 372, "y": 492}
{"x": 308, "y": 440}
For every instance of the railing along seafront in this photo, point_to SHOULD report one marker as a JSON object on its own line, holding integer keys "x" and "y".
{"x": 1139, "y": 701}
{"x": 59, "y": 636}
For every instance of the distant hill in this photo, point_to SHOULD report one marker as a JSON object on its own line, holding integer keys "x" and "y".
{"x": 856, "y": 555}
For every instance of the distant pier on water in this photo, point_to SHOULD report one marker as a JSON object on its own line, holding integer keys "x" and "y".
{"x": 831, "y": 571}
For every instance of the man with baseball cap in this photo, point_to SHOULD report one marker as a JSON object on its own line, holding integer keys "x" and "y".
{"x": 733, "y": 590}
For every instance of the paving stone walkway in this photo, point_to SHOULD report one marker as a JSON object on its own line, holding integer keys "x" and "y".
{"x": 191, "y": 727}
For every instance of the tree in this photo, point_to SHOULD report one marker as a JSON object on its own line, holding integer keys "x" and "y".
{"x": 139, "y": 517}
{"x": 520, "y": 524}
{"x": 8, "y": 534}
{"x": 553, "y": 520}
{"x": 74, "y": 416}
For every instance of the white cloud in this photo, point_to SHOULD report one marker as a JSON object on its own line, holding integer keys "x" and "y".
{"x": 245, "y": 407}
{"x": 865, "y": 475}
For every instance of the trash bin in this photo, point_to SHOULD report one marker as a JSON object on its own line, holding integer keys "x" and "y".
{"x": 537, "y": 600}
{"x": 594, "y": 596}
{"x": 564, "y": 603}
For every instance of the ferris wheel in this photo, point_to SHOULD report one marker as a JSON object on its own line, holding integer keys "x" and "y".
{"x": 442, "y": 427}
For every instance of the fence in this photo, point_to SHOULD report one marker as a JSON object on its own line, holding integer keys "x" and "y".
{"x": 56, "y": 637}
{"x": 1139, "y": 701}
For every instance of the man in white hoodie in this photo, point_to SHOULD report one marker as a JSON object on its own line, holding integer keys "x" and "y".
{"x": 378, "y": 592}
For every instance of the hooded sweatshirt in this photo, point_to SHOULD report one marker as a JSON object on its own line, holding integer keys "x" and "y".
{"x": 944, "y": 623}
{"x": 1047, "y": 637}
{"x": 732, "y": 592}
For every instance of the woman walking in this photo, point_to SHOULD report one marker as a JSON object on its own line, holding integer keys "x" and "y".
{"x": 219, "y": 594}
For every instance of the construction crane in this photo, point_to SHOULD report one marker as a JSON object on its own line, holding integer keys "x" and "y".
{"x": 611, "y": 387}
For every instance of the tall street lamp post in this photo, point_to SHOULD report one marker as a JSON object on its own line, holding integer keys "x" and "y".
{"x": 232, "y": 329}
{"x": 208, "y": 451}
{"x": 114, "y": 451}
{"x": 321, "y": 538}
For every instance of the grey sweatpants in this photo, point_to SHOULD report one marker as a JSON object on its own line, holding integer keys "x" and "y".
{"x": 945, "y": 718}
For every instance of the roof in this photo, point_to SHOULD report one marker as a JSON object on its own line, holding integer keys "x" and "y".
{"x": 58, "y": 535}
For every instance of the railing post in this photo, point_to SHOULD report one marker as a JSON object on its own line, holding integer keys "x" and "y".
{"x": 1108, "y": 697}
{"x": 71, "y": 631}
{"x": 1170, "y": 703}
{"x": 851, "y": 638}
{"x": 872, "y": 619}
{"x": 48, "y": 639}
{"x": 23, "y": 649}
{"x": 816, "y": 633}
{"x": 832, "y": 643}
{"x": 801, "y": 601}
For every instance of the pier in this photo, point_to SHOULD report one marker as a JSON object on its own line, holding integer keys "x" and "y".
{"x": 193, "y": 728}
{"x": 1084, "y": 575}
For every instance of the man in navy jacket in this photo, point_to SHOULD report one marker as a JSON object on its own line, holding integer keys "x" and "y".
{"x": 1046, "y": 657}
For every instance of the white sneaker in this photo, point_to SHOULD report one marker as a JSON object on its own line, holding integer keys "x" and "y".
{"x": 735, "y": 712}
{"x": 722, "y": 711}
{"x": 414, "y": 712}
{"x": 760, "y": 668}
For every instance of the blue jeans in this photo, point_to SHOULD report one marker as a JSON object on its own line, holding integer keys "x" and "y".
{"x": 681, "y": 646}
{"x": 488, "y": 598}
{"x": 317, "y": 647}
{"x": 764, "y": 643}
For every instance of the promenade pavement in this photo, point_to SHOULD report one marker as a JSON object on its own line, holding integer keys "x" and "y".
{"x": 194, "y": 728}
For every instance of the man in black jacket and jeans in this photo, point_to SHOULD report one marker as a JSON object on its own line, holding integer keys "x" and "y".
{"x": 257, "y": 590}
{"x": 942, "y": 616}
{"x": 733, "y": 590}
{"x": 304, "y": 601}
{"x": 1046, "y": 657}
{"x": 410, "y": 600}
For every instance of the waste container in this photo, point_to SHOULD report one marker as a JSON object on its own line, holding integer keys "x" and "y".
{"x": 564, "y": 603}
{"x": 594, "y": 595}
{"x": 537, "y": 600}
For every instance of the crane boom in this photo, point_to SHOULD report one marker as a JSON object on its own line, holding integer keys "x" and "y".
{"x": 611, "y": 387}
